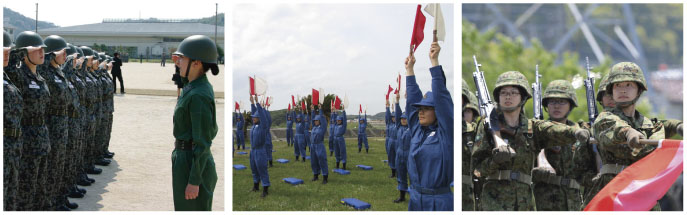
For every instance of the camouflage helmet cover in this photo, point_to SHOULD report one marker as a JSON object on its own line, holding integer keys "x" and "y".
{"x": 560, "y": 89}
{"x": 626, "y": 71}
{"x": 512, "y": 78}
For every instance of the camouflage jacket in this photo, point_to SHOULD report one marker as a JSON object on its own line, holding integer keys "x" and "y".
{"x": 12, "y": 104}
{"x": 59, "y": 89}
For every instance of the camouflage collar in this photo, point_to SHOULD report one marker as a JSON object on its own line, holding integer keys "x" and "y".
{"x": 637, "y": 121}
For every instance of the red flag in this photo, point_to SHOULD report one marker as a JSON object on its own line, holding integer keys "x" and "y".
{"x": 389, "y": 92}
{"x": 252, "y": 85}
{"x": 337, "y": 103}
{"x": 361, "y": 108}
{"x": 303, "y": 105}
{"x": 418, "y": 29}
{"x": 289, "y": 107}
{"x": 640, "y": 185}
{"x": 267, "y": 102}
{"x": 315, "y": 96}
{"x": 399, "y": 83}
{"x": 236, "y": 106}
{"x": 293, "y": 100}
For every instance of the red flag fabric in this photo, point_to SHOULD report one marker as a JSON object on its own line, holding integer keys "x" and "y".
{"x": 252, "y": 85}
{"x": 293, "y": 100}
{"x": 236, "y": 106}
{"x": 361, "y": 108}
{"x": 337, "y": 103}
{"x": 418, "y": 29}
{"x": 639, "y": 186}
{"x": 399, "y": 83}
{"x": 267, "y": 102}
{"x": 389, "y": 92}
{"x": 289, "y": 107}
{"x": 303, "y": 105}
{"x": 315, "y": 96}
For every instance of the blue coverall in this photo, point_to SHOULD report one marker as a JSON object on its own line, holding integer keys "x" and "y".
{"x": 258, "y": 145}
{"x": 318, "y": 154}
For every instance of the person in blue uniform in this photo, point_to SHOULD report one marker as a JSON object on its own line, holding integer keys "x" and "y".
{"x": 298, "y": 148}
{"x": 402, "y": 147}
{"x": 362, "y": 136}
{"x": 430, "y": 123}
{"x": 258, "y": 147}
{"x": 332, "y": 125}
{"x": 391, "y": 140}
{"x": 240, "y": 139}
{"x": 268, "y": 137}
{"x": 318, "y": 154}
{"x": 289, "y": 128}
{"x": 340, "y": 142}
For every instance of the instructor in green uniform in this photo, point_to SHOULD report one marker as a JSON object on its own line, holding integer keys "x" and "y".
{"x": 195, "y": 126}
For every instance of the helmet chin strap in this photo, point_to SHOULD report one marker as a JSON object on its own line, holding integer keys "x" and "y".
{"x": 628, "y": 103}
{"x": 29, "y": 58}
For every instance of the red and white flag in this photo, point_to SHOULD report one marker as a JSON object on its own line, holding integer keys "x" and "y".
{"x": 236, "y": 107}
{"x": 303, "y": 105}
{"x": 389, "y": 92}
{"x": 361, "y": 108}
{"x": 337, "y": 103}
{"x": 293, "y": 101}
{"x": 258, "y": 86}
{"x": 289, "y": 107}
{"x": 639, "y": 186}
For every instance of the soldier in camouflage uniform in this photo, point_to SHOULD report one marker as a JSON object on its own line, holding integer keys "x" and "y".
{"x": 35, "y": 135}
{"x": 82, "y": 89}
{"x": 106, "y": 120}
{"x": 619, "y": 129}
{"x": 506, "y": 167}
{"x": 468, "y": 197}
{"x": 75, "y": 139}
{"x": 12, "y": 144}
{"x": 58, "y": 120}
{"x": 555, "y": 187}
{"x": 92, "y": 97}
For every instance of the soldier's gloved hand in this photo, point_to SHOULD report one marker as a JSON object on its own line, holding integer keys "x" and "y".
{"x": 503, "y": 154}
{"x": 582, "y": 135}
{"x": 633, "y": 137}
{"x": 542, "y": 173}
{"x": 679, "y": 129}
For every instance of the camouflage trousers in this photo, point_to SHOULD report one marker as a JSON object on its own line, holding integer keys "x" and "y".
{"x": 599, "y": 183}
{"x": 11, "y": 158}
{"x": 80, "y": 159}
{"x": 468, "y": 198}
{"x": 503, "y": 195}
{"x": 104, "y": 134}
{"x": 549, "y": 197}
{"x": 91, "y": 132}
{"x": 59, "y": 136}
{"x": 73, "y": 146}
{"x": 32, "y": 169}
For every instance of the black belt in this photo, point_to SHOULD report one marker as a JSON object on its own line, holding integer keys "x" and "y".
{"x": 57, "y": 112}
{"x": 431, "y": 191}
{"x": 184, "y": 145}
{"x": 12, "y": 132}
{"x": 33, "y": 121}
{"x": 74, "y": 114}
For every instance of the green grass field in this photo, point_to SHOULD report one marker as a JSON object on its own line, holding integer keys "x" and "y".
{"x": 372, "y": 186}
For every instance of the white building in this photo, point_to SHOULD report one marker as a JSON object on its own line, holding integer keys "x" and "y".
{"x": 147, "y": 38}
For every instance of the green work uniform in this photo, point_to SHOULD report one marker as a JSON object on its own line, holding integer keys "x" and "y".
{"x": 194, "y": 120}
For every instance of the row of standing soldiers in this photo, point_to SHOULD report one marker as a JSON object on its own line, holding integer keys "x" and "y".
{"x": 58, "y": 108}
{"x": 552, "y": 164}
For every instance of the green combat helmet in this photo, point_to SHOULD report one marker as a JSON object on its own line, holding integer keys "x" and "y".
{"x": 512, "y": 78}
{"x": 101, "y": 57}
{"x": 6, "y": 40}
{"x": 626, "y": 71}
{"x": 54, "y": 43}
{"x": 473, "y": 104}
{"x": 29, "y": 39}
{"x": 560, "y": 89}
{"x": 87, "y": 51}
{"x": 466, "y": 91}
{"x": 71, "y": 49}
{"x": 79, "y": 52}
{"x": 199, "y": 47}
{"x": 602, "y": 88}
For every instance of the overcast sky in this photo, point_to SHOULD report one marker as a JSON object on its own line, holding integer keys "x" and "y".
{"x": 79, "y": 12}
{"x": 353, "y": 49}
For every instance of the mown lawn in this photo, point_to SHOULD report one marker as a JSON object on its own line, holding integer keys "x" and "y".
{"x": 372, "y": 186}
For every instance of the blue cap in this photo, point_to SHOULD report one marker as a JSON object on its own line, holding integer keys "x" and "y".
{"x": 428, "y": 100}
{"x": 404, "y": 115}
{"x": 339, "y": 117}
{"x": 255, "y": 115}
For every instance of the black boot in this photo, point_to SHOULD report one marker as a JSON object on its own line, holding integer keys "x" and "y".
{"x": 324, "y": 180}
{"x": 94, "y": 171}
{"x": 344, "y": 166}
{"x": 80, "y": 190}
{"x": 255, "y": 187}
{"x": 331, "y": 154}
{"x": 314, "y": 177}
{"x": 75, "y": 194}
{"x": 337, "y": 164}
{"x": 303, "y": 158}
{"x": 367, "y": 150}
{"x": 71, "y": 205}
{"x": 264, "y": 191}
{"x": 359, "y": 149}
{"x": 393, "y": 173}
{"x": 270, "y": 163}
{"x": 63, "y": 208}
{"x": 296, "y": 157}
{"x": 401, "y": 198}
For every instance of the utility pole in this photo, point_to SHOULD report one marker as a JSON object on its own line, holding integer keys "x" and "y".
{"x": 215, "y": 23}
{"x": 36, "y": 17}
